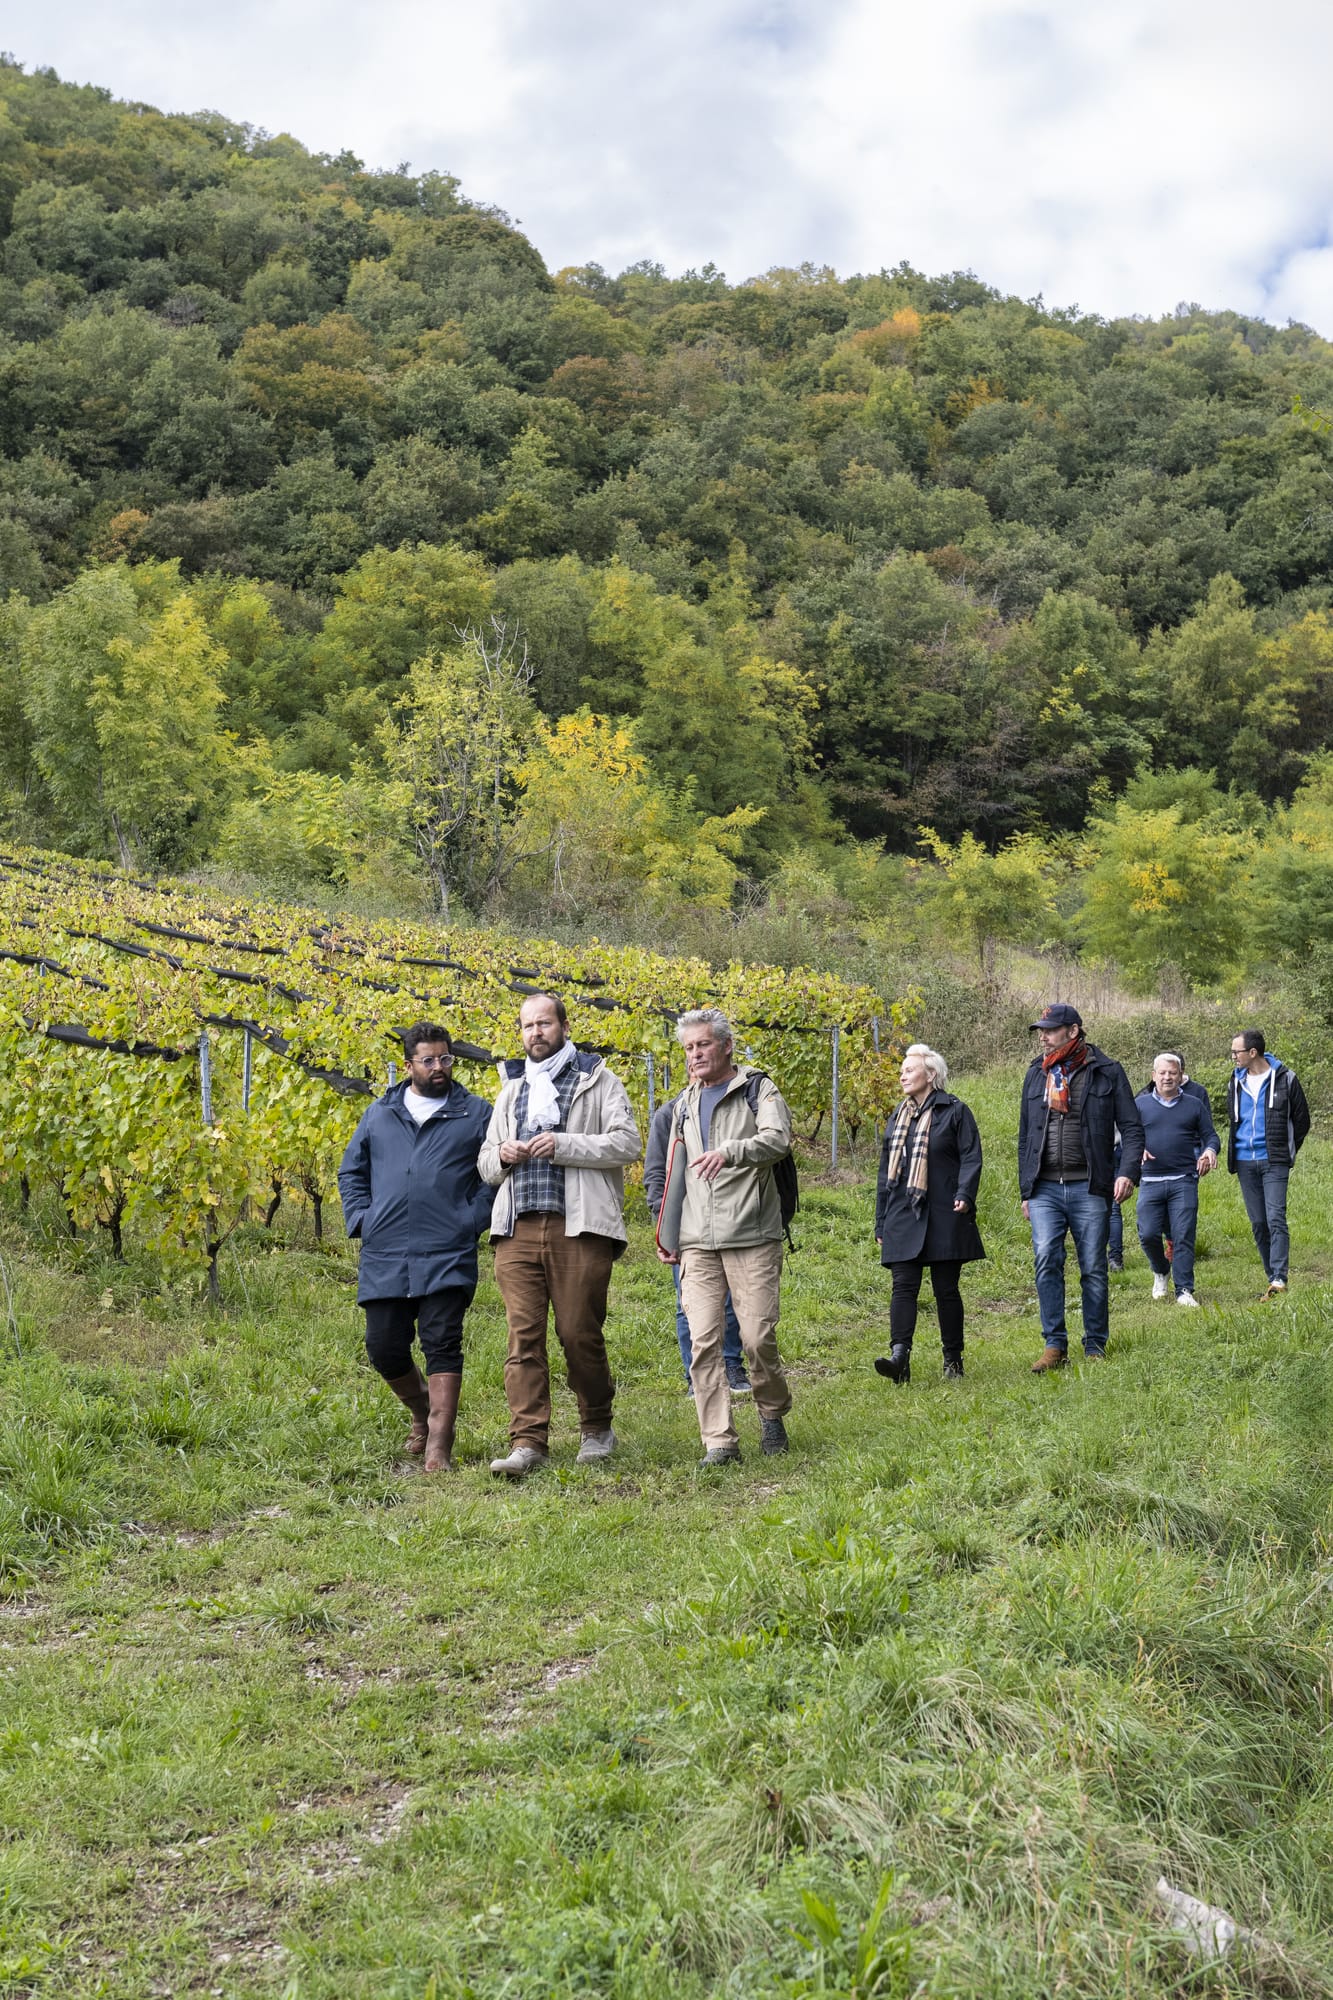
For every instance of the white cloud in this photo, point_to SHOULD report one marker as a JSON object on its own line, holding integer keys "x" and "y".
{"x": 1108, "y": 152}
{"x": 1303, "y": 289}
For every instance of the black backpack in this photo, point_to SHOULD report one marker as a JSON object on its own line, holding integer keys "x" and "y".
{"x": 785, "y": 1178}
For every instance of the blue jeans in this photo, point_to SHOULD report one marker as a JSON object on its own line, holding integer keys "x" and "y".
{"x": 1170, "y": 1208}
{"x": 733, "y": 1354}
{"x": 1055, "y": 1210}
{"x": 1263, "y": 1188}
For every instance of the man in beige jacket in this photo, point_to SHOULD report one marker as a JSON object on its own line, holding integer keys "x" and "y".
{"x": 561, "y": 1134}
{"x": 721, "y": 1219}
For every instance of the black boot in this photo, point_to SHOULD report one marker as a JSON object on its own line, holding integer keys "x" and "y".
{"x": 953, "y": 1366}
{"x": 897, "y": 1365}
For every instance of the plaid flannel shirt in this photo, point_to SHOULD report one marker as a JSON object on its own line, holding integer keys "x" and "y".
{"x": 539, "y": 1185}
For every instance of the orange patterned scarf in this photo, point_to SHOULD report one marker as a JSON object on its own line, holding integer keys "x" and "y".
{"x": 1059, "y": 1066}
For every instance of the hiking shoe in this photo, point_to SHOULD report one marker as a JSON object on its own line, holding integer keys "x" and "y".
{"x": 1051, "y": 1357}
{"x": 772, "y": 1435}
{"x": 1094, "y": 1354}
{"x": 1161, "y": 1284}
{"x": 953, "y": 1367}
{"x": 739, "y": 1382}
{"x": 896, "y": 1365}
{"x": 1276, "y": 1288}
{"x": 596, "y": 1446}
{"x": 722, "y": 1454}
{"x": 524, "y": 1458}
{"x": 1186, "y": 1299}
{"x": 1115, "y": 1263}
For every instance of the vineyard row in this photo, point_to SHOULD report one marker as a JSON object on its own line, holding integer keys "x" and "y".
{"x": 163, "y": 1113}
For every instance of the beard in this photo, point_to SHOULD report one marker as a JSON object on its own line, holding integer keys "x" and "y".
{"x": 436, "y": 1084}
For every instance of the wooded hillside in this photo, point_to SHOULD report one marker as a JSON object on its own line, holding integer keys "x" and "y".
{"x": 792, "y": 558}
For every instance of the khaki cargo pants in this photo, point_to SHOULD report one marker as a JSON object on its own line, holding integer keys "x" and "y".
{"x": 754, "y": 1278}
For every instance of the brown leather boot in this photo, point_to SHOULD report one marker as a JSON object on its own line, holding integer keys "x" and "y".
{"x": 1051, "y": 1357}
{"x": 444, "y": 1391}
{"x": 410, "y": 1389}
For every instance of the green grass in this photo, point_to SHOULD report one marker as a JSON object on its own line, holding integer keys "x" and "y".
{"x": 278, "y": 1716}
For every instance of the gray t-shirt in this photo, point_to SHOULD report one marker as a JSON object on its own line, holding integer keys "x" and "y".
{"x": 710, "y": 1096}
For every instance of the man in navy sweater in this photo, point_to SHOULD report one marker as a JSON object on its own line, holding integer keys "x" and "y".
{"x": 1180, "y": 1146}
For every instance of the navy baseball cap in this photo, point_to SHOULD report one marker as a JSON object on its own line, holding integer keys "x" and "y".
{"x": 1060, "y": 1015}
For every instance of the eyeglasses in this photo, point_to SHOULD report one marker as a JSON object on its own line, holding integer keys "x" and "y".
{"x": 433, "y": 1062}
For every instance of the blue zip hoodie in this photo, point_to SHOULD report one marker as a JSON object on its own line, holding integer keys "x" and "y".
{"x": 1252, "y": 1114}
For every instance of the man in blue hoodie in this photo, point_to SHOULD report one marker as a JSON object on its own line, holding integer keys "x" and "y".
{"x": 1269, "y": 1119}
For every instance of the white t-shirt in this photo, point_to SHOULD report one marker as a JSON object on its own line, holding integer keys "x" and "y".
{"x": 420, "y": 1106}
{"x": 1254, "y": 1084}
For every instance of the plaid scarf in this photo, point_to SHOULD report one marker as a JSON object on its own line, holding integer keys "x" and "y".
{"x": 907, "y": 1148}
{"x": 1059, "y": 1066}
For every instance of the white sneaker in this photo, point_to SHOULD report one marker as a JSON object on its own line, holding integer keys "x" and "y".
{"x": 1161, "y": 1286}
{"x": 1186, "y": 1299}
{"x": 596, "y": 1446}
{"x": 524, "y": 1458}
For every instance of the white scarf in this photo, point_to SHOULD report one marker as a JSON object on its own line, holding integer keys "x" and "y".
{"x": 543, "y": 1104}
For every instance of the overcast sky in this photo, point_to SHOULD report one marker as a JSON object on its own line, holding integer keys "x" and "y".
{"x": 1113, "y": 154}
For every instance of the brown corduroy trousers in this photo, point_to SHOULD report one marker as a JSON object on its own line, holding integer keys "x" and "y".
{"x": 540, "y": 1270}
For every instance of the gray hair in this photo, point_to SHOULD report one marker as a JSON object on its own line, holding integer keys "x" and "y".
{"x": 711, "y": 1018}
{"x": 1169, "y": 1055}
{"x": 936, "y": 1067}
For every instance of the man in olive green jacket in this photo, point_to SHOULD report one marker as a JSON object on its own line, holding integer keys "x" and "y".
{"x": 721, "y": 1219}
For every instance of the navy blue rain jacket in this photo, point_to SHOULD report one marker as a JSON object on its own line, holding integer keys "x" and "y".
{"x": 413, "y": 1195}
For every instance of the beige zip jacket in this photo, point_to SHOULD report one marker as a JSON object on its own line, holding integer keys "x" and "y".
{"x": 600, "y": 1140}
{"x": 741, "y": 1206}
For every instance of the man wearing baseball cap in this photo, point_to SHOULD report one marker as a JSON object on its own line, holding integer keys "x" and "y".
{"x": 1074, "y": 1097}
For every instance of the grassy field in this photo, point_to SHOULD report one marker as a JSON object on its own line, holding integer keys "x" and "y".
{"x": 927, "y": 1706}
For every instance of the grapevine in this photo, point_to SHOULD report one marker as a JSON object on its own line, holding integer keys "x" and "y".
{"x": 114, "y": 990}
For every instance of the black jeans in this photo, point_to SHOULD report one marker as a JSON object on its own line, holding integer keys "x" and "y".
{"x": 438, "y": 1321}
{"x": 948, "y": 1302}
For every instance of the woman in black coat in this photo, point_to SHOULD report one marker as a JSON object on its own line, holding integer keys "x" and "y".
{"x": 925, "y": 1210}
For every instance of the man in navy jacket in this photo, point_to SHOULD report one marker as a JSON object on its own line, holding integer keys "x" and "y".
{"x": 412, "y": 1193}
{"x": 1074, "y": 1097}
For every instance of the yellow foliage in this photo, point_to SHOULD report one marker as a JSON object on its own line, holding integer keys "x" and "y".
{"x": 607, "y": 833}
{"x": 979, "y": 391}
{"x": 893, "y": 340}
{"x": 1152, "y": 888}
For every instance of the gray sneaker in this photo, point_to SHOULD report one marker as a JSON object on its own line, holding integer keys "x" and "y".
{"x": 524, "y": 1458}
{"x": 772, "y": 1435}
{"x": 596, "y": 1446}
{"x": 722, "y": 1454}
{"x": 739, "y": 1382}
